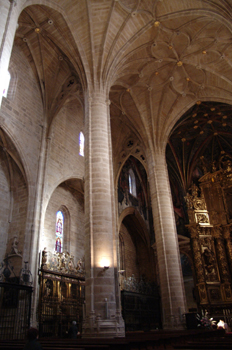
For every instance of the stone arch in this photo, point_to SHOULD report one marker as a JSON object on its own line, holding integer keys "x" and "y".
{"x": 79, "y": 184}
{"x": 135, "y": 250}
{"x": 14, "y": 194}
{"x": 67, "y": 196}
{"x": 133, "y": 212}
{"x": 125, "y": 199}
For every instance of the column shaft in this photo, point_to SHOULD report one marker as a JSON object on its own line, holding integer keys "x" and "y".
{"x": 170, "y": 273}
{"x": 99, "y": 249}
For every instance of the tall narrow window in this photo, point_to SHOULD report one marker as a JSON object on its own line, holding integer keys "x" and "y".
{"x": 6, "y": 83}
{"x": 132, "y": 183}
{"x": 81, "y": 144}
{"x": 59, "y": 232}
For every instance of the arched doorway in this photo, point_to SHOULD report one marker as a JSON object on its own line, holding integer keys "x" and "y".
{"x": 137, "y": 267}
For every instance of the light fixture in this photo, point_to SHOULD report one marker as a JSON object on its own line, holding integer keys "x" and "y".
{"x": 105, "y": 263}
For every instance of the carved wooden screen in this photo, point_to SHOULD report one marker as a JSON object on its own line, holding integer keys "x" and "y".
{"x": 62, "y": 294}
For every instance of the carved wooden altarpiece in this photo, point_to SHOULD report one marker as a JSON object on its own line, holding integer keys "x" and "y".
{"x": 210, "y": 221}
{"x": 61, "y": 293}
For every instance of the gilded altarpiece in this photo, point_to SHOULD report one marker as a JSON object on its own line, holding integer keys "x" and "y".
{"x": 61, "y": 293}
{"x": 210, "y": 220}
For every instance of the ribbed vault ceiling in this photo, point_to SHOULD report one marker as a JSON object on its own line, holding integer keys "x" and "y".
{"x": 157, "y": 58}
{"x": 198, "y": 141}
{"x": 49, "y": 47}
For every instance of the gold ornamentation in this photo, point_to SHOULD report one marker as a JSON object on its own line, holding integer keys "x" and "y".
{"x": 209, "y": 259}
{"x": 62, "y": 263}
{"x": 202, "y": 293}
{"x": 194, "y": 201}
{"x": 202, "y": 218}
{"x": 196, "y": 253}
{"x": 227, "y": 291}
{"x": 224, "y": 271}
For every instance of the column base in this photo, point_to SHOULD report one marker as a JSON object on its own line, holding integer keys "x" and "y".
{"x": 95, "y": 327}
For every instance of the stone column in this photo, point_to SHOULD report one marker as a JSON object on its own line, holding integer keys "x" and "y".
{"x": 8, "y": 24}
{"x": 102, "y": 318}
{"x": 168, "y": 256}
{"x": 34, "y": 236}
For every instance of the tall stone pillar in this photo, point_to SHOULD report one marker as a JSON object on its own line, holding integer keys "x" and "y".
{"x": 170, "y": 272}
{"x": 8, "y": 24}
{"x": 103, "y": 318}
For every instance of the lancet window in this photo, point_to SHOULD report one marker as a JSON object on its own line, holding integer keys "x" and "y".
{"x": 59, "y": 232}
{"x": 132, "y": 183}
{"x": 81, "y": 144}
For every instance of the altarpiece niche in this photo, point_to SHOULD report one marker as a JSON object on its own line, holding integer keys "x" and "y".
{"x": 62, "y": 293}
{"x": 210, "y": 220}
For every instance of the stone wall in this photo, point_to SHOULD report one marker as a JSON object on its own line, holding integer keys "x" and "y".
{"x": 21, "y": 120}
{"x": 131, "y": 267}
{"x": 64, "y": 161}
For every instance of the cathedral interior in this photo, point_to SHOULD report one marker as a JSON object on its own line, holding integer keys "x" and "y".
{"x": 115, "y": 165}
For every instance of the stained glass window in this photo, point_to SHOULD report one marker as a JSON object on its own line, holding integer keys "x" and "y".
{"x": 81, "y": 144}
{"x": 132, "y": 183}
{"x": 59, "y": 232}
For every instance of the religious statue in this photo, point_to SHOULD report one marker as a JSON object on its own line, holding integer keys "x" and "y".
{"x": 14, "y": 247}
{"x": 44, "y": 256}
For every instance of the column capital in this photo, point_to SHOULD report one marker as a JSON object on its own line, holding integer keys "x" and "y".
{"x": 98, "y": 96}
